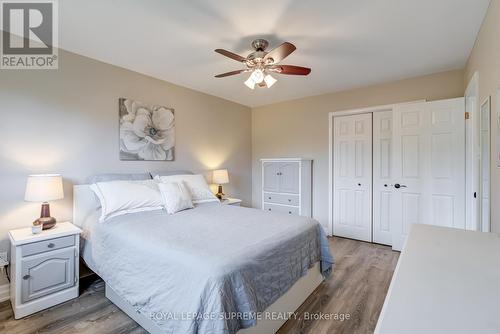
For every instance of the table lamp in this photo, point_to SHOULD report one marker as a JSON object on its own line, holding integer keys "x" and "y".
{"x": 44, "y": 188}
{"x": 220, "y": 177}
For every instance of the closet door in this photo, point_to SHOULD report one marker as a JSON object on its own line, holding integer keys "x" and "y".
{"x": 429, "y": 166}
{"x": 352, "y": 170}
{"x": 382, "y": 177}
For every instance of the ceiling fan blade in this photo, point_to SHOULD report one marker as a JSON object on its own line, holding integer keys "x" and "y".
{"x": 291, "y": 70}
{"x": 229, "y": 73}
{"x": 231, "y": 55}
{"x": 280, "y": 53}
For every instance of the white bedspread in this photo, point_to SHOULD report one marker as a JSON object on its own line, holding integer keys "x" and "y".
{"x": 205, "y": 270}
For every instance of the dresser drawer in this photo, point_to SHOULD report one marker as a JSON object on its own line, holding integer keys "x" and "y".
{"x": 291, "y": 210}
{"x": 286, "y": 199}
{"x": 48, "y": 245}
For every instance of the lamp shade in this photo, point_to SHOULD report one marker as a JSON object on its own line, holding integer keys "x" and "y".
{"x": 44, "y": 188}
{"x": 220, "y": 176}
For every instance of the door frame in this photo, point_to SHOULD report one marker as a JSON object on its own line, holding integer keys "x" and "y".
{"x": 482, "y": 228}
{"x": 331, "y": 116}
{"x": 472, "y": 155}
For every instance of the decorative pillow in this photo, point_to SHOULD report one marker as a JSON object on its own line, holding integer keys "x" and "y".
{"x": 175, "y": 196}
{"x": 196, "y": 184}
{"x": 122, "y": 197}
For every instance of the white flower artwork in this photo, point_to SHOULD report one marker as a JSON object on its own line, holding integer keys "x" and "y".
{"x": 146, "y": 132}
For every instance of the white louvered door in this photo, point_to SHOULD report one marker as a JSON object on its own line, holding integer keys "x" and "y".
{"x": 428, "y": 166}
{"x": 352, "y": 171}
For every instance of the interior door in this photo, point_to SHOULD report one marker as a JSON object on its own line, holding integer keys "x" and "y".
{"x": 428, "y": 166}
{"x": 352, "y": 171}
{"x": 382, "y": 177}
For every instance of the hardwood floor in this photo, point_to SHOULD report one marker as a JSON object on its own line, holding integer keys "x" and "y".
{"x": 357, "y": 288}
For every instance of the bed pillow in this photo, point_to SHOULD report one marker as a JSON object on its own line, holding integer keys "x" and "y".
{"x": 122, "y": 197}
{"x": 176, "y": 196}
{"x": 196, "y": 184}
{"x": 169, "y": 173}
{"x": 118, "y": 177}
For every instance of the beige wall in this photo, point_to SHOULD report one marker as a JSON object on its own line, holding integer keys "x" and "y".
{"x": 299, "y": 128}
{"x": 485, "y": 59}
{"x": 66, "y": 121}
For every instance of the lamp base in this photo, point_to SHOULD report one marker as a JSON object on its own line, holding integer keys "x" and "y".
{"x": 46, "y": 222}
{"x": 220, "y": 194}
{"x": 45, "y": 219}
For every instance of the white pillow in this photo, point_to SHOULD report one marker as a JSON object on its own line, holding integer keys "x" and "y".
{"x": 175, "y": 196}
{"x": 122, "y": 197}
{"x": 196, "y": 184}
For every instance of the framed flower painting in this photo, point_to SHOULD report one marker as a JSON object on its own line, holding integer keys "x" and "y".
{"x": 147, "y": 132}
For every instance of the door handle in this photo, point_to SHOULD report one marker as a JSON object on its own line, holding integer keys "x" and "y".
{"x": 397, "y": 186}
{"x": 25, "y": 277}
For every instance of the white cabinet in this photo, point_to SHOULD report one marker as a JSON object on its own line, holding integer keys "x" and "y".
{"x": 270, "y": 171}
{"x": 44, "y": 268}
{"x": 286, "y": 186}
{"x": 47, "y": 273}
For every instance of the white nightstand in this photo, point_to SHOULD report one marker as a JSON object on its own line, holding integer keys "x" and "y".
{"x": 44, "y": 268}
{"x": 231, "y": 201}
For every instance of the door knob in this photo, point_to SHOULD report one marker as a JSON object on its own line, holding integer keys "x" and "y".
{"x": 397, "y": 186}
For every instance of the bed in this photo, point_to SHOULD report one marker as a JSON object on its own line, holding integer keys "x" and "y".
{"x": 211, "y": 269}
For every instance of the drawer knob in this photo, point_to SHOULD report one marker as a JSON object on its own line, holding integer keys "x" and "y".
{"x": 289, "y": 212}
{"x": 269, "y": 197}
{"x": 25, "y": 277}
{"x": 51, "y": 245}
{"x": 269, "y": 209}
{"x": 289, "y": 200}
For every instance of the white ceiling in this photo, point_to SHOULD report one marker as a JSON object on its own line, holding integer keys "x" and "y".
{"x": 346, "y": 43}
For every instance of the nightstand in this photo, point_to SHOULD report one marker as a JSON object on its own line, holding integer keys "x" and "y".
{"x": 44, "y": 267}
{"x": 231, "y": 201}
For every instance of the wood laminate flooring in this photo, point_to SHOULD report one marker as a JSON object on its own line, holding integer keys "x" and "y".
{"x": 357, "y": 288}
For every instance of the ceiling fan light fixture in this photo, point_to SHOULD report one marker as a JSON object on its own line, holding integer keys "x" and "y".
{"x": 269, "y": 80}
{"x": 250, "y": 83}
{"x": 257, "y": 76}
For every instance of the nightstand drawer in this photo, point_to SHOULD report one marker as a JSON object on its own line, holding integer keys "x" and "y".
{"x": 48, "y": 245}
{"x": 291, "y": 210}
{"x": 281, "y": 199}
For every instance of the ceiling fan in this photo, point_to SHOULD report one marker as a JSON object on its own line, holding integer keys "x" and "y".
{"x": 261, "y": 63}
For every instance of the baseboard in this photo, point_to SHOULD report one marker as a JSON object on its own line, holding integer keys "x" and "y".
{"x": 4, "y": 292}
